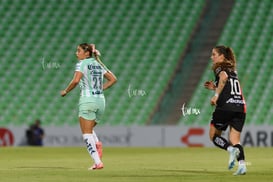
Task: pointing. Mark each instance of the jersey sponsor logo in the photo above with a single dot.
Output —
(235, 101)
(94, 72)
(93, 67)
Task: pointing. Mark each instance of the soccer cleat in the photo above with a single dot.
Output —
(232, 157)
(96, 166)
(241, 170)
(99, 149)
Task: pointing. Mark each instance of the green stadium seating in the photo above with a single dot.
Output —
(249, 32)
(140, 42)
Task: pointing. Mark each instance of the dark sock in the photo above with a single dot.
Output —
(220, 142)
(241, 155)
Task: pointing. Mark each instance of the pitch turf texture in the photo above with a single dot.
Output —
(69, 164)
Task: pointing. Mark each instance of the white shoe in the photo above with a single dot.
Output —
(234, 152)
(241, 169)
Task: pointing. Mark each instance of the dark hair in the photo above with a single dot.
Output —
(229, 57)
(87, 48)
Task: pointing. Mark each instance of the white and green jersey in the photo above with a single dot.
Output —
(91, 83)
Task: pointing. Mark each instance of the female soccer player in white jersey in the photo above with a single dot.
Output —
(89, 74)
(230, 106)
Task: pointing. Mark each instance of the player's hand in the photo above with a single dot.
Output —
(209, 85)
(95, 51)
(213, 100)
(63, 93)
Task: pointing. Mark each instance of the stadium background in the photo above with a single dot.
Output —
(159, 50)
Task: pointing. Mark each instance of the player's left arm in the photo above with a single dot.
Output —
(74, 82)
(223, 77)
(111, 80)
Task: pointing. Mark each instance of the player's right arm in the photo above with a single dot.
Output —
(209, 85)
(223, 77)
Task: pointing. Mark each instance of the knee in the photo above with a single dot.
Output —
(213, 132)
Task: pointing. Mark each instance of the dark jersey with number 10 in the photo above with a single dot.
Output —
(231, 97)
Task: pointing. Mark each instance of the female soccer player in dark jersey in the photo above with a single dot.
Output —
(230, 106)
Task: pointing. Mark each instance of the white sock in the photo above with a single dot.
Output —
(242, 162)
(91, 147)
(229, 149)
(95, 137)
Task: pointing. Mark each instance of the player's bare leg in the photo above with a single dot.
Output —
(235, 140)
(221, 142)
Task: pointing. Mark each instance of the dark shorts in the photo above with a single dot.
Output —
(222, 119)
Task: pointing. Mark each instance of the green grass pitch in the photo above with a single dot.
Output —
(69, 164)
